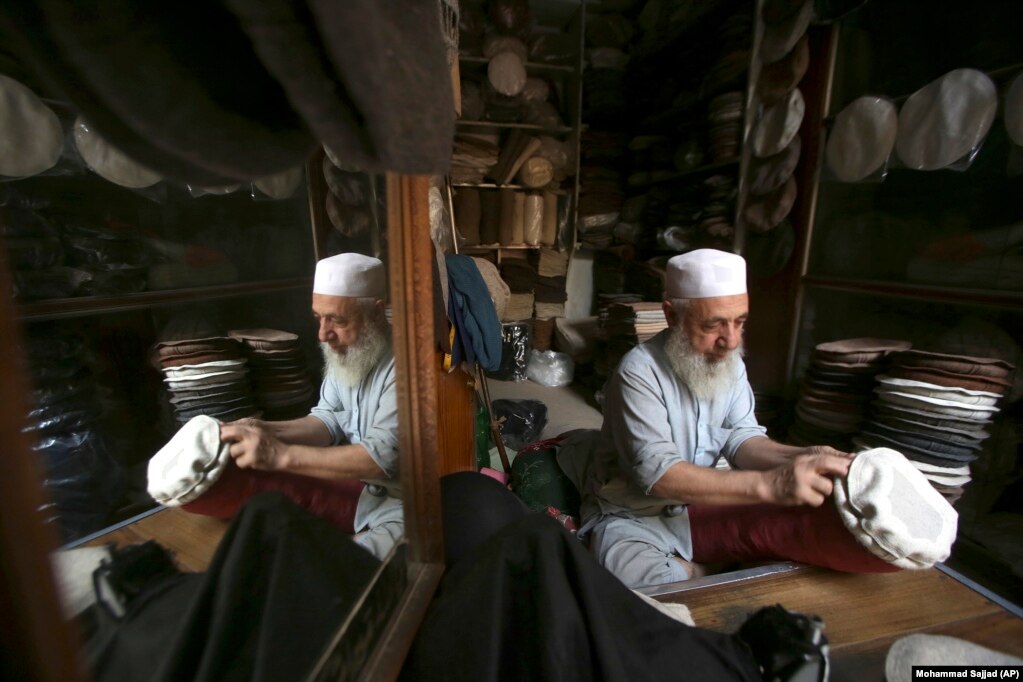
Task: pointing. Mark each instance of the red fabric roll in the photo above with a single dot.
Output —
(333, 501)
(763, 532)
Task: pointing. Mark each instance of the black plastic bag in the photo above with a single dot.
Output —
(524, 421)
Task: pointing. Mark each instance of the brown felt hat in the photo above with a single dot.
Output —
(778, 78)
(763, 213)
(767, 175)
(779, 124)
(779, 38)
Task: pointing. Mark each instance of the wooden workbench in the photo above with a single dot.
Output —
(863, 614)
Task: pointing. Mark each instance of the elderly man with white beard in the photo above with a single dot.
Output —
(674, 406)
(353, 432)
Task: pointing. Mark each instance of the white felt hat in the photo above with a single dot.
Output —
(705, 273)
(189, 464)
(108, 161)
(350, 274)
(779, 38)
(31, 138)
(862, 138)
(892, 509)
(942, 121)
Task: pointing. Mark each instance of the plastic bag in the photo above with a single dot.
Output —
(523, 421)
(515, 345)
(550, 368)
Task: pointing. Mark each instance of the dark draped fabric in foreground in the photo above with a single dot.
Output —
(280, 584)
(531, 603)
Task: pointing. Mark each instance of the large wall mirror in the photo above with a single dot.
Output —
(374, 636)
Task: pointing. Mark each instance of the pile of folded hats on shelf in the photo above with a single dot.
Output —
(550, 295)
(838, 387)
(623, 321)
(207, 376)
(278, 370)
(520, 276)
(82, 480)
(724, 114)
(933, 408)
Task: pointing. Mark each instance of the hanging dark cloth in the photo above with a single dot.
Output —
(471, 309)
(280, 584)
(212, 93)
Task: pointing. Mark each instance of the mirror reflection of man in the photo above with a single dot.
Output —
(352, 433)
(675, 406)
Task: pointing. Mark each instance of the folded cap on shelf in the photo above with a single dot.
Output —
(780, 37)
(768, 174)
(778, 78)
(941, 122)
(764, 213)
(861, 138)
(109, 162)
(31, 135)
(779, 124)
(1013, 111)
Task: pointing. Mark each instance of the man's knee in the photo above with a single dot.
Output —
(641, 564)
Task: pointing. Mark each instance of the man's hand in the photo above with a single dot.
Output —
(806, 479)
(253, 445)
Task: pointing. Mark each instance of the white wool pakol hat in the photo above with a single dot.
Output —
(189, 464)
(892, 509)
(705, 273)
(350, 274)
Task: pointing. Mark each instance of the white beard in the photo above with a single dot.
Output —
(705, 378)
(351, 367)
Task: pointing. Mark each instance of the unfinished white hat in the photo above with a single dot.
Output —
(189, 464)
(942, 121)
(862, 138)
(705, 273)
(350, 274)
(892, 509)
(939, 650)
(31, 138)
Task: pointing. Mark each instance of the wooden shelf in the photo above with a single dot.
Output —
(943, 294)
(560, 130)
(707, 169)
(531, 67)
(503, 247)
(95, 305)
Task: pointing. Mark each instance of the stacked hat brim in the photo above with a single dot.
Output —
(725, 118)
(837, 390)
(280, 373)
(935, 409)
(206, 377)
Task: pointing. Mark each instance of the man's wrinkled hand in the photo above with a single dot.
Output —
(807, 478)
(253, 445)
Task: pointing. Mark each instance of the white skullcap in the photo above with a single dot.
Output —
(350, 274)
(705, 273)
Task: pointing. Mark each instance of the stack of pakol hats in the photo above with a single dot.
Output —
(206, 376)
(934, 408)
(279, 371)
(837, 390)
